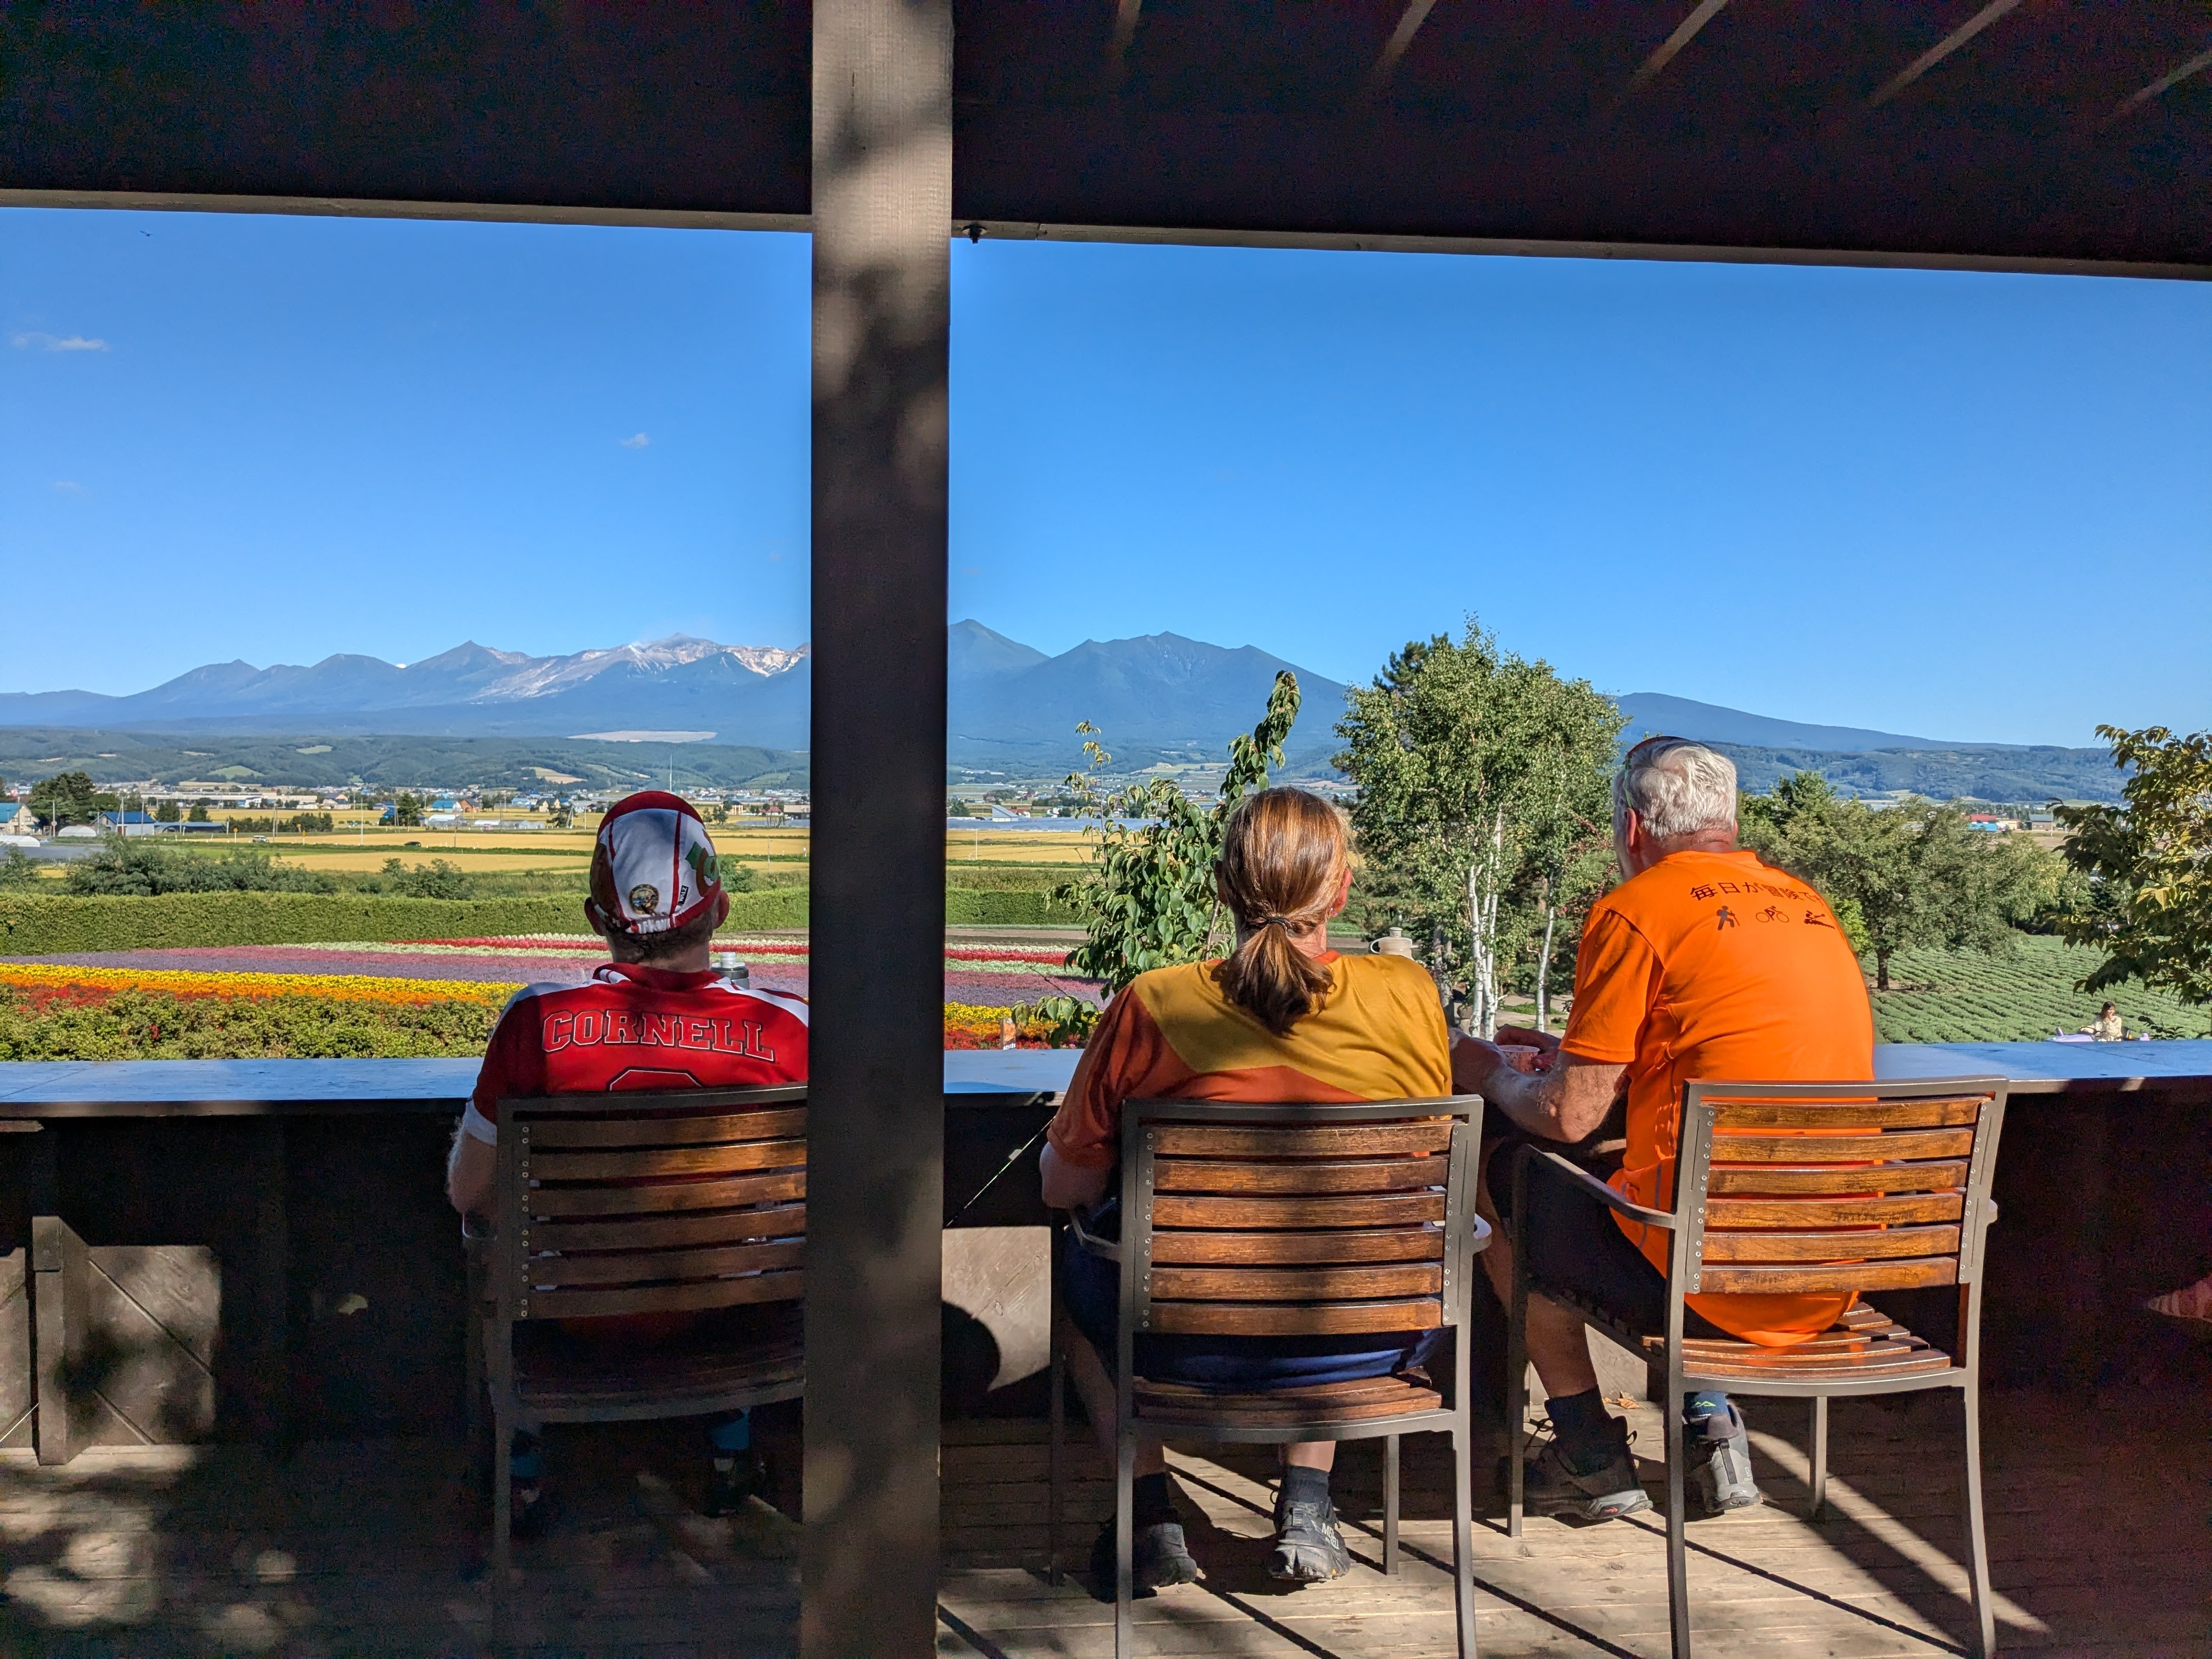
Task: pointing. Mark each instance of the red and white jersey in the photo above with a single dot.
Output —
(634, 1027)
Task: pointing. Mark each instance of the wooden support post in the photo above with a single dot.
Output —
(60, 1312)
(883, 212)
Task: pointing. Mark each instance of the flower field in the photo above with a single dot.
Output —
(1963, 996)
(59, 1011)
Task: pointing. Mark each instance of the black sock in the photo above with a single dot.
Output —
(1151, 1503)
(1303, 1486)
(1585, 1429)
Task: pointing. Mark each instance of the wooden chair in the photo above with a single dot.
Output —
(1293, 1220)
(1805, 1187)
(609, 1204)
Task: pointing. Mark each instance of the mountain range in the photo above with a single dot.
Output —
(1012, 710)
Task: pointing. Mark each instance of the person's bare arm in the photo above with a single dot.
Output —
(1068, 1186)
(469, 1173)
(1566, 1101)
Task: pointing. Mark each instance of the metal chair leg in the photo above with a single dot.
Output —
(1517, 1399)
(1390, 1504)
(1125, 1533)
(1978, 1551)
(1820, 1458)
(1677, 1576)
(1463, 1530)
(1054, 1473)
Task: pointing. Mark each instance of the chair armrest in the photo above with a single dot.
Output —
(1106, 1249)
(477, 1229)
(1597, 1190)
(1478, 1240)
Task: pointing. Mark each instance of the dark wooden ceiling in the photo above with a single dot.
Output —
(1782, 124)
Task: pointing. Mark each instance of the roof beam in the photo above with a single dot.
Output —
(1409, 24)
(2173, 78)
(1684, 31)
(1942, 49)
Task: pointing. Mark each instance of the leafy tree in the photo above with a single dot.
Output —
(407, 811)
(16, 871)
(64, 798)
(198, 814)
(1148, 899)
(564, 816)
(440, 878)
(1910, 877)
(2149, 863)
(146, 869)
(1483, 808)
(167, 812)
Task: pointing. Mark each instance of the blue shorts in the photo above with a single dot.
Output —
(1091, 1291)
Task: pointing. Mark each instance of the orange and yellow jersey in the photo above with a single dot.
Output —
(1378, 1034)
(1716, 966)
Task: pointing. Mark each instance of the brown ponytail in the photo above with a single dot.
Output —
(1282, 855)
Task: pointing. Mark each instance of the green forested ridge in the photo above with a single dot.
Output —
(306, 762)
(2016, 776)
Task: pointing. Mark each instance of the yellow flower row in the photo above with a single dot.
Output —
(356, 988)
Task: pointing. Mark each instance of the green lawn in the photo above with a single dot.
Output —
(1952, 996)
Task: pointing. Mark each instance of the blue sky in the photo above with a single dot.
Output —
(1956, 505)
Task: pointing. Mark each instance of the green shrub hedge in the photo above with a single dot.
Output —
(60, 925)
(965, 908)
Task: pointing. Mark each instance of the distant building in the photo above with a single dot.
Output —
(1991, 822)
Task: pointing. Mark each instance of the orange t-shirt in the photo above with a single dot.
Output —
(1716, 966)
(1378, 1034)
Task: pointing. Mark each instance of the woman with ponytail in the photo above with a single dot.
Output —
(1281, 1018)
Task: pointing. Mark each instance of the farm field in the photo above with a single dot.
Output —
(1963, 996)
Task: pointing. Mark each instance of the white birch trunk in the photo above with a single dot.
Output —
(1482, 885)
(1543, 968)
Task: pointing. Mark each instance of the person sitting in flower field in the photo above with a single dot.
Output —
(656, 899)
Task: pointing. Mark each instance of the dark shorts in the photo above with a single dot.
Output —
(1571, 1243)
(1091, 1290)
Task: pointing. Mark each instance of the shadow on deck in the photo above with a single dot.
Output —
(2095, 1528)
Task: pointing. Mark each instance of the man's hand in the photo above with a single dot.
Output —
(1520, 1036)
(1564, 1099)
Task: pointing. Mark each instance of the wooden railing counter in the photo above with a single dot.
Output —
(271, 1242)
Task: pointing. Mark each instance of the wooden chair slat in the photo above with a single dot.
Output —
(1911, 1275)
(1950, 1111)
(1752, 1148)
(1294, 1249)
(1357, 1391)
(1915, 1365)
(1937, 1175)
(642, 1164)
(698, 1297)
(1194, 1408)
(1297, 1284)
(1429, 1135)
(668, 1196)
(1804, 1214)
(668, 1233)
(655, 1266)
(1306, 1176)
(1845, 1246)
(665, 1129)
(1294, 1318)
(1268, 1214)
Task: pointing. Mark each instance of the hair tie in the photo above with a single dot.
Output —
(1283, 922)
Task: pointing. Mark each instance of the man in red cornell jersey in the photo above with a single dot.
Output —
(655, 1017)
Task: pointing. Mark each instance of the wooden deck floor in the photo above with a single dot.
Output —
(2097, 1530)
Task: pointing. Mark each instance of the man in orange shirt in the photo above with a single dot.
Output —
(1703, 963)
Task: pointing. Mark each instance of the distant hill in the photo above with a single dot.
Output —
(1013, 708)
(1652, 713)
(1012, 711)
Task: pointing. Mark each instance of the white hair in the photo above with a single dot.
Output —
(1676, 787)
